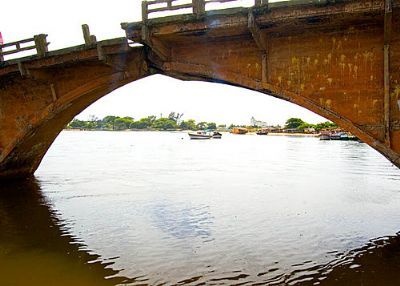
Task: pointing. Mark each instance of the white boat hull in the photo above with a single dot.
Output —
(199, 136)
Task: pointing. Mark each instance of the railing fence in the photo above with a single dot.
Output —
(198, 6)
(38, 42)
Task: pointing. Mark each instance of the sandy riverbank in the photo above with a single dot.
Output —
(293, 134)
(286, 134)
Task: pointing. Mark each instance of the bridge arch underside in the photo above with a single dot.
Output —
(332, 60)
(28, 152)
(336, 73)
(364, 134)
(35, 107)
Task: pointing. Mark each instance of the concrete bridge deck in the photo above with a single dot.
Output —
(340, 59)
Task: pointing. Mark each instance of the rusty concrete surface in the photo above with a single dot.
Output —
(328, 58)
(35, 107)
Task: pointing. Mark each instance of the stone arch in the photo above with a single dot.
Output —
(34, 108)
(39, 96)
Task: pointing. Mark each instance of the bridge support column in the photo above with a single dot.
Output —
(262, 44)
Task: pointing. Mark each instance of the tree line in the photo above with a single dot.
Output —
(172, 122)
(299, 124)
(293, 124)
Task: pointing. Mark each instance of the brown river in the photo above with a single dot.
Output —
(154, 208)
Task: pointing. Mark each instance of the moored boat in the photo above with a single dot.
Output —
(262, 132)
(324, 135)
(342, 136)
(200, 135)
(239, 130)
(336, 136)
(216, 135)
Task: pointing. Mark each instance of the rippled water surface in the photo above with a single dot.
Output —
(154, 208)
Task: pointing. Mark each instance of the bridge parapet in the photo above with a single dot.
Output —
(198, 6)
(38, 42)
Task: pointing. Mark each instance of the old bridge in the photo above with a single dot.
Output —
(337, 58)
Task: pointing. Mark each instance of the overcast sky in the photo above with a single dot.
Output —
(154, 95)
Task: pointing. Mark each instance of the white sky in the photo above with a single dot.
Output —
(155, 95)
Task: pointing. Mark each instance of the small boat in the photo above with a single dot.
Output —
(342, 136)
(239, 130)
(325, 136)
(217, 135)
(200, 135)
(262, 132)
(336, 136)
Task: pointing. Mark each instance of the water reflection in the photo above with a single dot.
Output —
(183, 222)
(242, 210)
(376, 263)
(36, 248)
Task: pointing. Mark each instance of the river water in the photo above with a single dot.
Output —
(154, 208)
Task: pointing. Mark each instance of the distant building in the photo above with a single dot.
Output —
(258, 123)
(309, 130)
(292, 130)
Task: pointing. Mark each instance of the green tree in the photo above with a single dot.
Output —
(123, 123)
(202, 125)
(93, 122)
(325, 125)
(211, 126)
(109, 119)
(164, 124)
(293, 123)
(108, 122)
(189, 124)
(144, 123)
(151, 119)
(76, 123)
(305, 125)
(175, 116)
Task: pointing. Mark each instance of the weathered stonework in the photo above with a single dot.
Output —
(35, 107)
(327, 57)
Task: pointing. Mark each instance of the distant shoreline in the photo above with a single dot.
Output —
(152, 130)
(293, 134)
